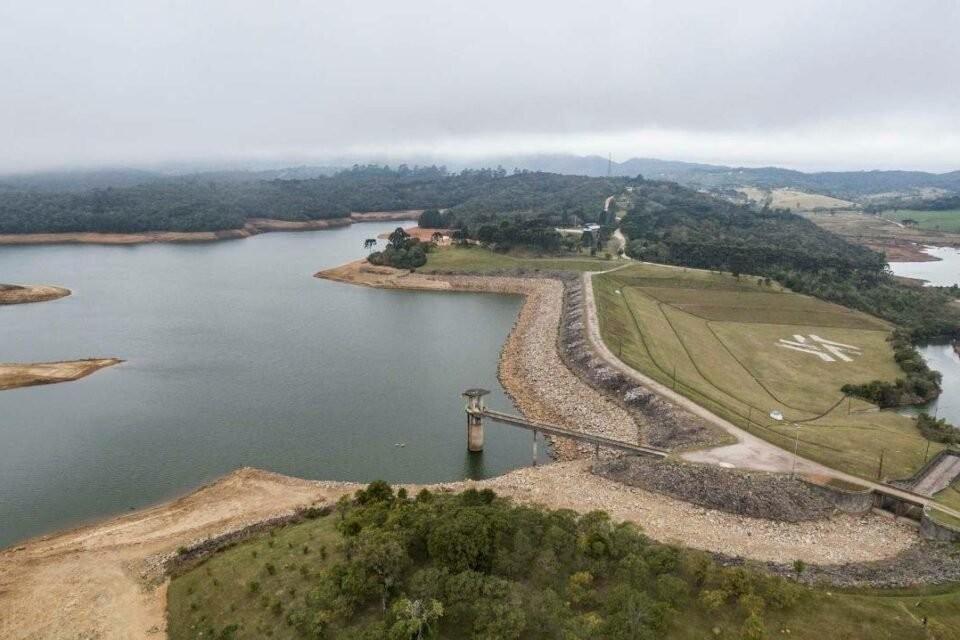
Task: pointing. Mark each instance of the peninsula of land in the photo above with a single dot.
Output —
(15, 374)
(22, 294)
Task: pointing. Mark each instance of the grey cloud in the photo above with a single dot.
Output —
(149, 80)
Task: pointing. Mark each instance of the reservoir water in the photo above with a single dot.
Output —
(236, 355)
(944, 272)
(944, 359)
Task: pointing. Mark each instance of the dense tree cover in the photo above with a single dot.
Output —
(937, 430)
(920, 385)
(539, 233)
(214, 202)
(402, 252)
(943, 203)
(474, 566)
(674, 225)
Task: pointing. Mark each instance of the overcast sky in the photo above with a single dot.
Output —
(805, 84)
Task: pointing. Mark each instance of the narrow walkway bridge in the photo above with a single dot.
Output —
(476, 412)
(579, 436)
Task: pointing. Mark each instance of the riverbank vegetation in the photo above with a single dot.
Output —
(387, 565)
(937, 430)
(921, 383)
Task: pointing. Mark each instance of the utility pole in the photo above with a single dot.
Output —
(880, 466)
(796, 448)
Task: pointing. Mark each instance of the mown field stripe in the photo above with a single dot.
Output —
(716, 405)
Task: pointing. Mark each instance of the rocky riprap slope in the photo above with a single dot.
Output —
(747, 493)
(924, 563)
(663, 424)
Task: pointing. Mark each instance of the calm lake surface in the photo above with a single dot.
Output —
(236, 355)
(944, 359)
(942, 273)
(945, 273)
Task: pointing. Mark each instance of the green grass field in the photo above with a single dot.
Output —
(244, 584)
(948, 220)
(220, 593)
(479, 260)
(716, 339)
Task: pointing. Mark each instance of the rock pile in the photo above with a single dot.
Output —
(746, 493)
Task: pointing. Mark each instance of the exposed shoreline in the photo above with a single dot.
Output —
(900, 250)
(27, 293)
(15, 375)
(253, 227)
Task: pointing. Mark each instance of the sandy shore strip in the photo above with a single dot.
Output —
(14, 375)
(253, 226)
(26, 293)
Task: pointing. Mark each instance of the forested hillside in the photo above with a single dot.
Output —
(212, 202)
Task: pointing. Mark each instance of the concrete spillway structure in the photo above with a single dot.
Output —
(475, 411)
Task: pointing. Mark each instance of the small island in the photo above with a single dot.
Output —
(21, 294)
(14, 375)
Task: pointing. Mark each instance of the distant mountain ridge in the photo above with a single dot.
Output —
(844, 184)
(709, 176)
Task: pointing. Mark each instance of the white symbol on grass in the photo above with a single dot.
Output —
(826, 350)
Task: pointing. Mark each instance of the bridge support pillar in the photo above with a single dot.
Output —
(474, 411)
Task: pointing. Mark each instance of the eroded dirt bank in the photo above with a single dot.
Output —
(253, 226)
(26, 293)
(13, 375)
